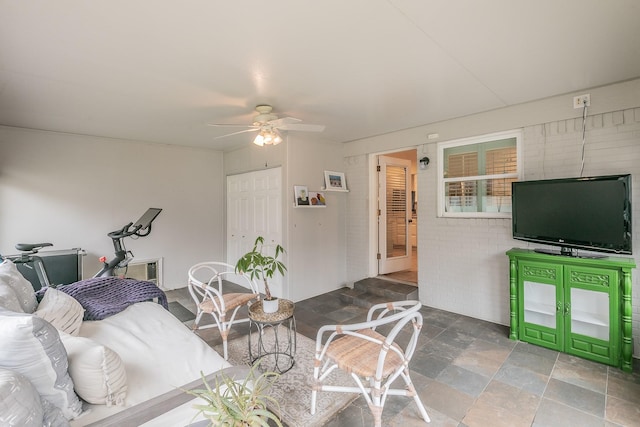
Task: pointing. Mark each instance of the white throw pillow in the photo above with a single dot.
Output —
(32, 347)
(22, 406)
(52, 415)
(98, 373)
(61, 310)
(20, 403)
(10, 275)
(9, 299)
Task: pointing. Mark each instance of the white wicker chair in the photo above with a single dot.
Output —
(206, 281)
(372, 358)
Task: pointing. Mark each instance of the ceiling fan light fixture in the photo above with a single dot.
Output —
(268, 137)
(259, 140)
(278, 139)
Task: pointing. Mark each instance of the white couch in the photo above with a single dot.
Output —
(118, 362)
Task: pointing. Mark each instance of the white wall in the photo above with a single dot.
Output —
(71, 190)
(314, 238)
(317, 238)
(462, 263)
(360, 202)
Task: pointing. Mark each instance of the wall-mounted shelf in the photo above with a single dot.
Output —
(334, 191)
(310, 206)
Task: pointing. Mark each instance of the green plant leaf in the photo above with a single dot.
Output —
(260, 266)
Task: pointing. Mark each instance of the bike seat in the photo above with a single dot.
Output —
(31, 247)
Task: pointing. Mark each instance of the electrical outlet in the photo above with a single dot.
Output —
(580, 101)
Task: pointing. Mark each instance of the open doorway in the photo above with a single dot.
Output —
(397, 216)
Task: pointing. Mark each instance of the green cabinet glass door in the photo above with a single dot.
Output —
(541, 321)
(591, 313)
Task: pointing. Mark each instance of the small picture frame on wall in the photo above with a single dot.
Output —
(301, 195)
(335, 181)
(317, 198)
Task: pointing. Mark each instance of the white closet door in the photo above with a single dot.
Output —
(254, 208)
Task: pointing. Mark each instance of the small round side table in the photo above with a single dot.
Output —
(283, 325)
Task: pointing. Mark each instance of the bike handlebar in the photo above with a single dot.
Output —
(124, 231)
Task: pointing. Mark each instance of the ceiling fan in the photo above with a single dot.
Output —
(268, 126)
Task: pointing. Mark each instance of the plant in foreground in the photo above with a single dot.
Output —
(238, 403)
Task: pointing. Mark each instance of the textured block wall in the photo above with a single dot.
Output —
(462, 265)
(612, 146)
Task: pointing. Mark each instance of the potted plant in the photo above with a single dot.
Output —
(262, 267)
(237, 403)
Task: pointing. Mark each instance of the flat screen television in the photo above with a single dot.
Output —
(592, 213)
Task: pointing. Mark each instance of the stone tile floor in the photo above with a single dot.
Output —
(409, 276)
(469, 374)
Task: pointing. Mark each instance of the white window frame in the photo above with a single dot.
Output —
(516, 133)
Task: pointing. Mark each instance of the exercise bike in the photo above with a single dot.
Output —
(30, 259)
(141, 228)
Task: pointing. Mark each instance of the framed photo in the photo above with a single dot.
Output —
(301, 195)
(317, 198)
(335, 181)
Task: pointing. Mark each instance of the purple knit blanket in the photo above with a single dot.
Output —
(102, 297)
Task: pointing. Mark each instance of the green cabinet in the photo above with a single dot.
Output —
(580, 306)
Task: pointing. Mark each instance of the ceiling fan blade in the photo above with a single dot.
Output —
(302, 127)
(236, 133)
(279, 123)
(222, 125)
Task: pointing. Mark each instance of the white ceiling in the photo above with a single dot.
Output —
(159, 70)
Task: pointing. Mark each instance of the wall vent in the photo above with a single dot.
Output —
(146, 269)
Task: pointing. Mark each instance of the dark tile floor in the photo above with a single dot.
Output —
(468, 373)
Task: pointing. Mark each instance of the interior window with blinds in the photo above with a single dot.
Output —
(476, 175)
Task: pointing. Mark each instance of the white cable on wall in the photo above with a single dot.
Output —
(584, 132)
(544, 149)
